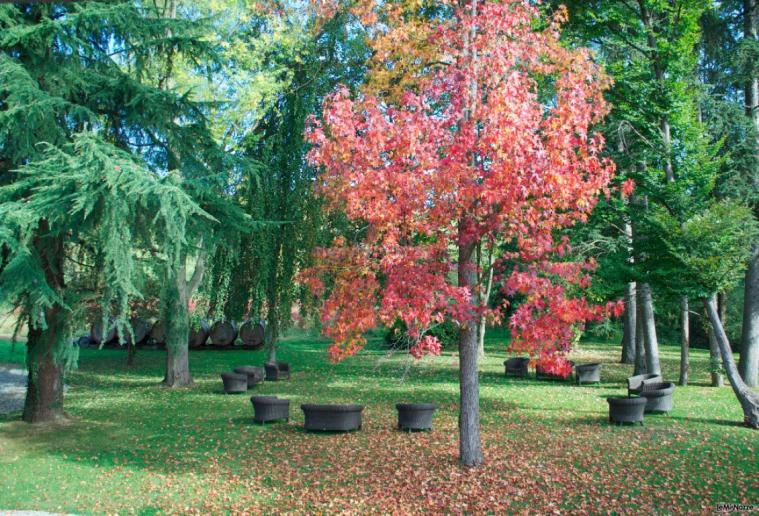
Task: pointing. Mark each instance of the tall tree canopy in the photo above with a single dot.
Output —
(98, 161)
(496, 139)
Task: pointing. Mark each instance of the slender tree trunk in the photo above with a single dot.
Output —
(649, 329)
(272, 336)
(714, 352)
(748, 399)
(749, 361)
(470, 448)
(272, 300)
(684, 340)
(481, 330)
(131, 351)
(470, 443)
(482, 325)
(631, 306)
(640, 339)
(630, 323)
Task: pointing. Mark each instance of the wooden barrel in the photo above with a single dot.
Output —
(140, 329)
(252, 334)
(199, 334)
(158, 333)
(96, 333)
(223, 333)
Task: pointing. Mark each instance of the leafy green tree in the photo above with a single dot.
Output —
(280, 187)
(712, 248)
(89, 159)
(730, 53)
(649, 47)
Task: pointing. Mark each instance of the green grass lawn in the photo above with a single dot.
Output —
(135, 447)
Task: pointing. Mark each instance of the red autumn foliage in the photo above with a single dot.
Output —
(482, 152)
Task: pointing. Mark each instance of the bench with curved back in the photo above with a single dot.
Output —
(332, 417)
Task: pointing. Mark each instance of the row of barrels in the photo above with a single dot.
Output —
(222, 334)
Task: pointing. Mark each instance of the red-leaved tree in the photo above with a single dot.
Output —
(495, 145)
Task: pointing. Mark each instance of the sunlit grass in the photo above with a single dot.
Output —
(133, 446)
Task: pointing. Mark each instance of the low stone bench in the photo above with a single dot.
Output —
(270, 408)
(588, 373)
(415, 416)
(332, 417)
(277, 371)
(516, 366)
(255, 374)
(626, 410)
(635, 383)
(658, 396)
(234, 383)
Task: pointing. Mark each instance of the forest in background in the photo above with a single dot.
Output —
(153, 164)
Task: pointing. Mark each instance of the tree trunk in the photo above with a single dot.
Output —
(46, 348)
(272, 302)
(482, 325)
(177, 367)
(470, 443)
(176, 318)
(749, 362)
(470, 448)
(714, 353)
(640, 340)
(131, 351)
(649, 329)
(684, 340)
(630, 322)
(44, 393)
(272, 335)
(749, 400)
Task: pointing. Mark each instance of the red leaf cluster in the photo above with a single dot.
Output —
(482, 151)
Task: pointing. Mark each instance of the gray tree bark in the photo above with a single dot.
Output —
(650, 340)
(470, 447)
(640, 340)
(748, 399)
(482, 324)
(177, 319)
(749, 361)
(470, 442)
(714, 351)
(630, 323)
(684, 340)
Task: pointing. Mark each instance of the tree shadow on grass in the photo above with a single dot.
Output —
(709, 421)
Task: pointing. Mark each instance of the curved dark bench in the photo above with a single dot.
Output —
(588, 373)
(415, 416)
(255, 374)
(277, 371)
(635, 383)
(516, 366)
(270, 408)
(543, 374)
(626, 410)
(658, 396)
(332, 417)
(234, 383)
